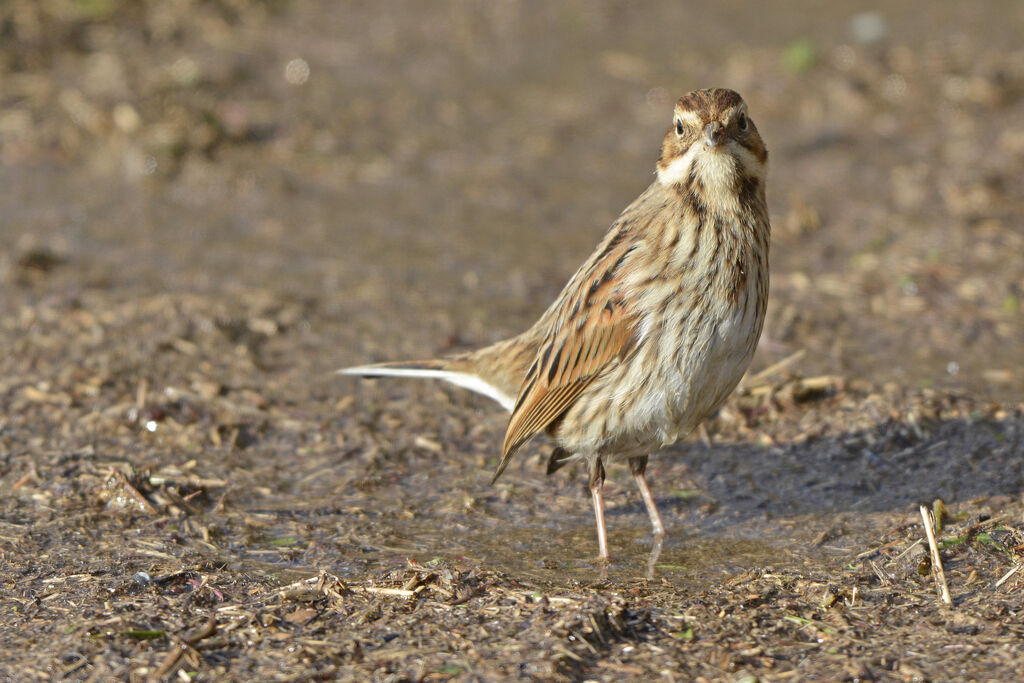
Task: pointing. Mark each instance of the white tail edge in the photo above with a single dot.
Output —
(459, 379)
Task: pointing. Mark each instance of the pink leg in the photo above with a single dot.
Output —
(638, 466)
(596, 486)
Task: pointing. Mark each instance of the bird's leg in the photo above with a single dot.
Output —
(596, 486)
(638, 466)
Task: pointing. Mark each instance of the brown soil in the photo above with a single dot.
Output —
(210, 206)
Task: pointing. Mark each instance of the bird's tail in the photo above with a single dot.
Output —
(449, 370)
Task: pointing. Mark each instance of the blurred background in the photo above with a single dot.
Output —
(409, 178)
(208, 207)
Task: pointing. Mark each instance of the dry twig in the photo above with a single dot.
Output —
(1007, 575)
(940, 574)
(774, 368)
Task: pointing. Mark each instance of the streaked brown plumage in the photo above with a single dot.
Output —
(657, 327)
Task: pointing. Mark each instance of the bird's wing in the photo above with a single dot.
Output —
(593, 327)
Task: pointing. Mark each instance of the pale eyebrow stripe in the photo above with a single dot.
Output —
(737, 109)
(687, 116)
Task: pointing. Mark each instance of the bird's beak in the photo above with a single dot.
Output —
(713, 134)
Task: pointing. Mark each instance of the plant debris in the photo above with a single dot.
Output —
(210, 206)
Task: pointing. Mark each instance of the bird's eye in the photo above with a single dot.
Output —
(679, 126)
(742, 121)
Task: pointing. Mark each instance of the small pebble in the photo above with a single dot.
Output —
(868, 28)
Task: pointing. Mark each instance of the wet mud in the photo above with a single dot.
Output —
(207, 208)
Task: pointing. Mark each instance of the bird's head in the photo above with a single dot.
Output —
(713, 144)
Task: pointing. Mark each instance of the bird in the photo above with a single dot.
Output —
(655, 330)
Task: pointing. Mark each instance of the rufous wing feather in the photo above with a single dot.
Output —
(595, 328)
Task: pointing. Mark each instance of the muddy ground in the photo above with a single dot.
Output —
(207, 207)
